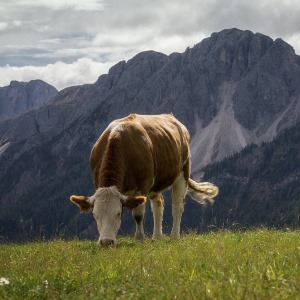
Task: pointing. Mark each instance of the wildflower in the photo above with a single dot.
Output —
(4, 281)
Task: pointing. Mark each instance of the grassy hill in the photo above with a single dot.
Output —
(260, 264)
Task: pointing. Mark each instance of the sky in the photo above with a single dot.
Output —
(73, 42)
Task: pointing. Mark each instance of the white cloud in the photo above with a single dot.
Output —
(43, 32)
(173, 43)
(59, 4)
(17, 23)
(294, 40)
(3, 26)
(60, 74)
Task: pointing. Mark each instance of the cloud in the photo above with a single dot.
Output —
(65, 4)
(3, 26)
(60, 74)
(294, 40)
(275, 18)
(41, 33)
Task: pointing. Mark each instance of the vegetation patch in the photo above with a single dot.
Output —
(258, 264)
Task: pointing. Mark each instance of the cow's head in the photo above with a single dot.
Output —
(107, 205)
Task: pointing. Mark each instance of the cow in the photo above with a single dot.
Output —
(136, 157)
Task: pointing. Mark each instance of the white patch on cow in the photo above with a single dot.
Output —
(103, 194)
(157, 206)
(179, 189)
(91, 200)
(107, 212)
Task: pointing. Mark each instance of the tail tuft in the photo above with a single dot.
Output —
(202, 192)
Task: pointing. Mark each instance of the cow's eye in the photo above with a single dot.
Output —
(119, 215)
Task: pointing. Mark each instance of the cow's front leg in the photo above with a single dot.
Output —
(157, 205)
(138, 214)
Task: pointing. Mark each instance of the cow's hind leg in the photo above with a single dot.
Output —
(179, 189)
(157, 205)
(138, 215)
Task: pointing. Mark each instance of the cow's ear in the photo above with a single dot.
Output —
(133, 202)
(85, 204)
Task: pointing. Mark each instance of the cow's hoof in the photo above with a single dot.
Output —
(175, 235)
(139, 236)
(157, 236)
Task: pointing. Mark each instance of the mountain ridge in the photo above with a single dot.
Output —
(260, 185)
(210, 88)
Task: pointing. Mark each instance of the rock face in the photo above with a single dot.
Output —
(252, 93)
(230, 90)
(20, 97)
(259, 185)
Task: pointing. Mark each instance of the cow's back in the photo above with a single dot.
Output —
(151, 151)
(170, 147)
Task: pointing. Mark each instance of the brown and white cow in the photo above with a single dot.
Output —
(136, 157)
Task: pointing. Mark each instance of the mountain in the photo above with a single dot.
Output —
(231, 90)
(260, 185)
(20, 97)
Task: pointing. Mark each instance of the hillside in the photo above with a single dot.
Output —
(259, 185)
(231, 90)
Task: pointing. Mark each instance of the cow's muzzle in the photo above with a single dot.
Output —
(107, 243)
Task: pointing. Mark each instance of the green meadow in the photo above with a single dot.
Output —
(255, 264)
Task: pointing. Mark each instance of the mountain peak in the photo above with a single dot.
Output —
(233, 89)
(18, 97)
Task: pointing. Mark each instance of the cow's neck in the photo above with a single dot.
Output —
(112, 168)
(111, 177)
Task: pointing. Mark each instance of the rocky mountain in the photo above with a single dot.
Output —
(232, 89)
(259, 185)
(20, 97)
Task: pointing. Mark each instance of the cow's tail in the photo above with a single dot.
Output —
(202, 192)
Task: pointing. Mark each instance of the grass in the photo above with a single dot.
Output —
(259, 264)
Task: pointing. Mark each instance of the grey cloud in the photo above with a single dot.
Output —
(50, 31)
(3, 25)
(274, 18)
(86, 5)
